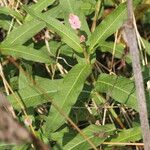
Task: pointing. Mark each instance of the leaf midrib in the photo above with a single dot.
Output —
(90, 137)
(37, 94)
(43, 1)
(70, 91)
(61, 31)
(28, 29)
(133, 135)
(106, 29)
(15, 50)
(114, 86)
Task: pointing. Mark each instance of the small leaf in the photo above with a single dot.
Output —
(31, 97)
(24, 32)
(70, 89)
(97, 134)
(108, 26)
(128, 135)
(39, 6)
(121, 89)
(26, 53)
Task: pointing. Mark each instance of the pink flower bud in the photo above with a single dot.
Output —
(74, 21)
(82, 38)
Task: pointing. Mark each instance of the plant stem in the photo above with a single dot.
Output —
(131, 40)
(97, 9)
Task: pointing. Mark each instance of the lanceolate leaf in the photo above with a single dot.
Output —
(97, 134)
(69, 92)
(26, 53)
(24, 32)
(108, 26)
(119, 88)
(39, 6)
(31, 97)
(69, 37)
(128, 135)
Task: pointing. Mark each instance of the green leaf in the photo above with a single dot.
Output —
(87, 7)
(21, 147)
(9, 11)
(119, 50)
(24, 32)
(55, 12)
(4, 146)
(26, 53)
(23, 80)
(108, 26)
(69, 37)
(121, 89)
(31, 97)
(70, 89)
(97, 134)
(5, 21)
(128, 135)
(39, 6)
(68, 5)
(147, 46)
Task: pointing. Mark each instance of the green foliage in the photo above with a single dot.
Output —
(26, 53)
(39, 6)
(119, 50)
(31, 97)
(68, 36)
(8, 11)
(57, 72)
(132, 134)
(107, 27)
(96, 134)
(69, 91)
(23, 33)
(119, 88)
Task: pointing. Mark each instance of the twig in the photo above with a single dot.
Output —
(131, 41)
(121, 143)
